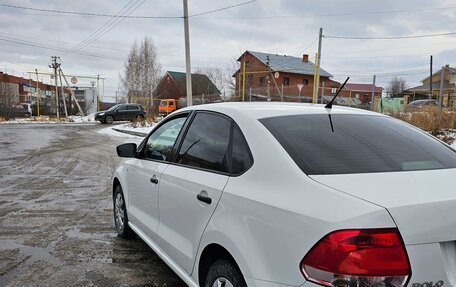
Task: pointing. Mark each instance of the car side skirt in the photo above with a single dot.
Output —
(173, 265)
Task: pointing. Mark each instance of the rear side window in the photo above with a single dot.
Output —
(133, 108)
(206, 143)
(358, 144)
(241, 158)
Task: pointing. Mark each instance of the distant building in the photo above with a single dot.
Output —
(449, 87)
(173, 86)
(25, 91)
(279, 75)
(87, 98)
(362, 92)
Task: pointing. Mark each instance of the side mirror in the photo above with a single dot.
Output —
(126, 150)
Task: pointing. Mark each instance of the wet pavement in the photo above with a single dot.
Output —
(56, 225)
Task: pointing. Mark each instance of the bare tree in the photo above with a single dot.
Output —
(396, 86)
(9, 98)
(215, 74)
(222, 78)
(142, 72)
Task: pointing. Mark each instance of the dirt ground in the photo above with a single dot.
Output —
(56, 223)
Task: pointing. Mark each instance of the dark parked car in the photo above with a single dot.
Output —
(121, 112)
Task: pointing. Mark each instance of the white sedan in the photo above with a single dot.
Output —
(275, 194)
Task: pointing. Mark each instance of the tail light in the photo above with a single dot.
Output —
(362, 258)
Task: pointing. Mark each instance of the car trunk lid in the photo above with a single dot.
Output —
(422, 203)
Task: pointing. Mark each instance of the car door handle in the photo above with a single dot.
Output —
(154, 180)
(202, 196)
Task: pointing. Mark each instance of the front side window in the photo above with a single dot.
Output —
(206, 143)
(357, 144)
(161, 142)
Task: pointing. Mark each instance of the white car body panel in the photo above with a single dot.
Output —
(183, 217)
(269, 217)
(143, 194)
(422, 203)
(264, 212)
(417, 200)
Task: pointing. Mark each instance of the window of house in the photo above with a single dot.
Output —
(286, 81)
(305, 81)
(261, 83)
(250, 80)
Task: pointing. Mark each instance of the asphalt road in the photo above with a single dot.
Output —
(56, 223)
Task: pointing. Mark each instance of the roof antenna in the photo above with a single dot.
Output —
(330, 104)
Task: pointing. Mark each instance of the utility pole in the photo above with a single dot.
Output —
(430, 79)
(322, 92)
(98, 93)
(442, 76)
(63, 94)
(188, 69)
(38, 94)
(73, 96)
(55, 66)
(320, 36)
(243, 79)
(373, 94)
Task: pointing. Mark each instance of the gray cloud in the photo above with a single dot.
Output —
(287, 27)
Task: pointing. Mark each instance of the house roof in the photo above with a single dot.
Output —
(362, 87)
(201, 84)
(425, 87)
(437, 73)
(288, 64)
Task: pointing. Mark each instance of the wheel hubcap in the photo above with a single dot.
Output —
(222, 282)
(119, 212)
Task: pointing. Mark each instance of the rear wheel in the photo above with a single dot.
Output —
(109, 119)
(120, 214)
(224, 273)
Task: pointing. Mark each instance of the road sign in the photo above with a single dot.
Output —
(74, 80)
(276, 75)
(300, 87)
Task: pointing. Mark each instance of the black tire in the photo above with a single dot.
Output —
(109, 119)
(120, 214)
(224, 269)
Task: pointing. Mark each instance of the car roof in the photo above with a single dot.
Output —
(260, 110)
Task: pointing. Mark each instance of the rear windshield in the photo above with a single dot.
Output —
(357, 144)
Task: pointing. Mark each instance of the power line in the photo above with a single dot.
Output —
(221, 9)
(57, 41)
(311, 44)
(390, 37)
(343, 14)
(109, 25)
(84, 13)
(38, 45)
(111, 15)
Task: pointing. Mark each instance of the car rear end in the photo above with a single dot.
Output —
(389, 164)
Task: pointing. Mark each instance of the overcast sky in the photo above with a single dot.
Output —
(287, 27)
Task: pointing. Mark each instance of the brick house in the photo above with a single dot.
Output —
(278, 76)
(173, 86)
(362, 92)
(25, 92)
